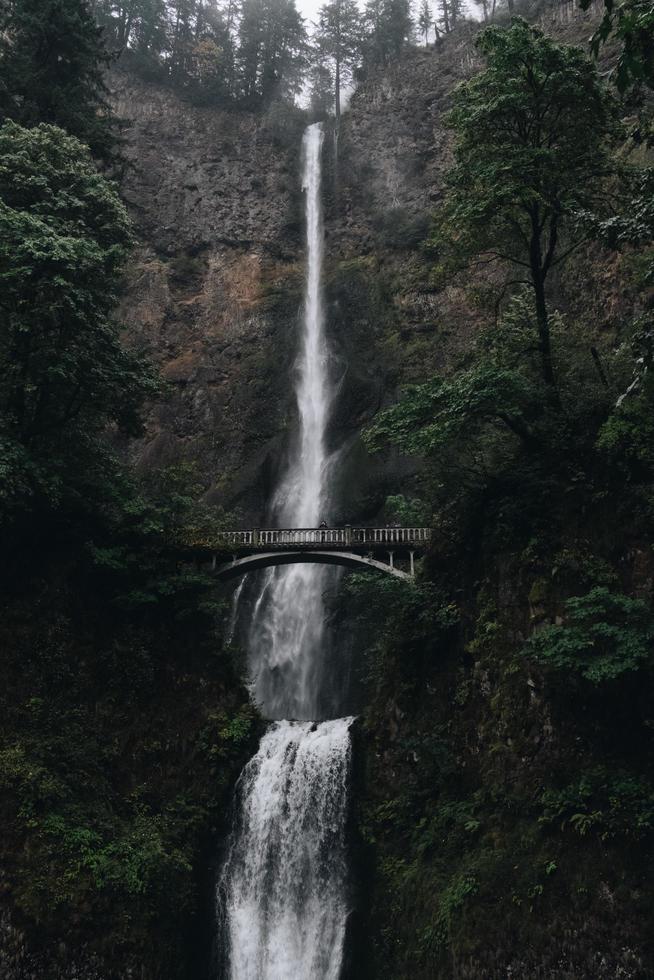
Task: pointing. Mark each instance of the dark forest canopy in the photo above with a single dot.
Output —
(230, 52)
(252, 51)
(52, 58)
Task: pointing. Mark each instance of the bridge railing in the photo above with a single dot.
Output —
(345, 537)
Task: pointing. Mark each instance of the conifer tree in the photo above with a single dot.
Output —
(51, 62)
(388, 27)
(338, 38)
(272, 50)
(425, 20)
(444, 18)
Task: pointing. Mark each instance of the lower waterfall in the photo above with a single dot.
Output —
(284, 882)
(283, 888)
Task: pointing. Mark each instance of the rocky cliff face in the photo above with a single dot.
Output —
(213, 291)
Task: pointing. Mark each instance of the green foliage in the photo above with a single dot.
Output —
(627, 436)
(271, 53)
(530, 155)
(444, 411)
(338, 44)
(394, 622)
(602, 802)
(122, 736)
(450, 902)
(408, 512)
(606, 634)
(400, 605)
(135, 548)
(65, 375)
(51, 64)
(631, 22)
(388, 28)
(530, 134)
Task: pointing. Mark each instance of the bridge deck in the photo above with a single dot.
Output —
(359, 539)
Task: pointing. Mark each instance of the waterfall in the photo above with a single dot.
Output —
(286, 636)
(286, 909)
(282, 891)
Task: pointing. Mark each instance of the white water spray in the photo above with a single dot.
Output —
(286, 637)
(283, 886)
(286, 871)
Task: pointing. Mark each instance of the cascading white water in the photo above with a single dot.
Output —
(286, 870)
(286, 648)
(283, 887)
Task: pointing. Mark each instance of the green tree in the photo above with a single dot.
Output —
(531, 161)
(457, 412)
(388, 29)
(631, 22)
(51, 63)
(444, 19)
(271, 51)
(338, 40)
(64, 375)
(605, 634)
(425, 20)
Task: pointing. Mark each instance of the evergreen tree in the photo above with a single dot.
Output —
(425, 20)
(211, 69)
(338, 39)
(456, 12)
(51, 62)
(148, 36)
(451, 12)
(272, 50)
(182, 40)
(321, 86)
(444, 18)
(388, 27)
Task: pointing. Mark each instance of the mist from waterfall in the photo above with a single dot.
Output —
(282, 892)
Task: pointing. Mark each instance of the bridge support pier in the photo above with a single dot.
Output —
(413, 571)
(390, 558)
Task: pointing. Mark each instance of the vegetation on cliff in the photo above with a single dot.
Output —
(124, 720)
(506, 803)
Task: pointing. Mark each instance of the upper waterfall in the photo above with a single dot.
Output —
(287, 632)
(301, 499)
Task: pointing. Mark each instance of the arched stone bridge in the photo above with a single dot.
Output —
(362, 548)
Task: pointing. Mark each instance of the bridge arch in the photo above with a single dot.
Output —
(250, 563)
